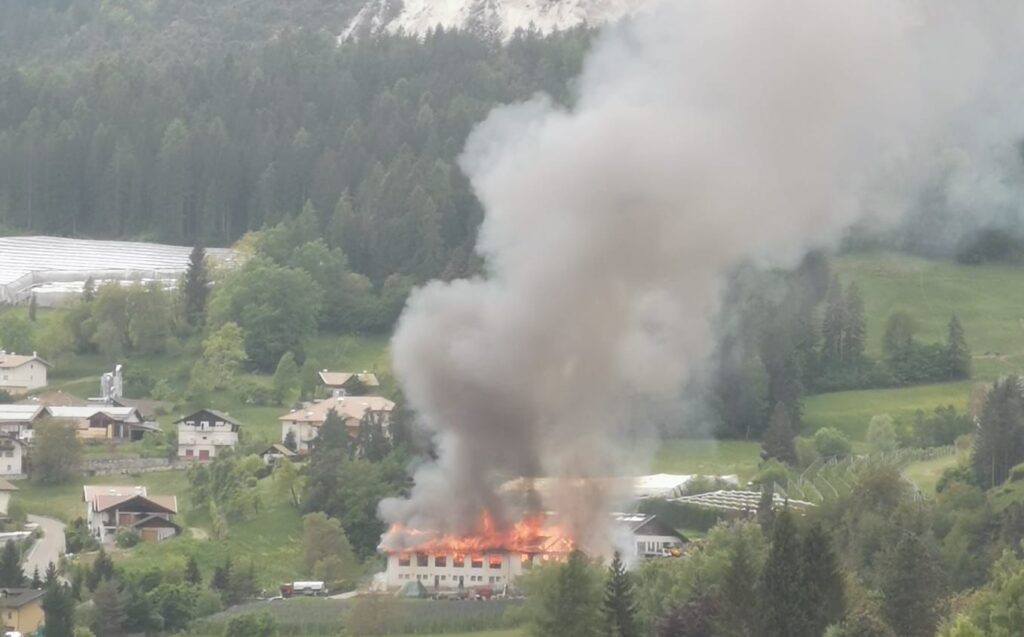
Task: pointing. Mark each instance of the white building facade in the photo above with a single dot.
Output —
(12, 454)
(205, 434)
(21, 373)
(304, 424)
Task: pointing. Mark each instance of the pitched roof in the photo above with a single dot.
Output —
(348, 407)
(167, 503)
(18, 597)
(7, 486)
(151, 521)
(279, 448)
(337, 379)
(10, 361)
(20, 413)
(148, 408)
(216, 414)
(126, 414)
(91, 491)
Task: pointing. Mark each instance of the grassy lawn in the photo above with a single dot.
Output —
(65, 501)
(988, 300)
(926, 474)
(851, 411)
(708, 457)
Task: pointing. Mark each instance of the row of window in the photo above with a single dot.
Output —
(495, 579)
(458, 561)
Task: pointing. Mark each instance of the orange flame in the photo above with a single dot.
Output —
(530, 535)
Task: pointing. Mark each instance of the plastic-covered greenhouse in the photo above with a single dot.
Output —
(55, 269)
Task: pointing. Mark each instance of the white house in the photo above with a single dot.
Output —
(345, 383)
(6, 489)
(305, 423)
(204, 434)
(12, 453)
(20, 373)
(109, 508)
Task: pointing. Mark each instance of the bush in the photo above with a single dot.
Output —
(772, 471)
(940, 429)
(208, 603)
(78, 539)
(252, 392)
(806, 452)
(127, 538)
(831, 443)
(960, 473)
(882, 437)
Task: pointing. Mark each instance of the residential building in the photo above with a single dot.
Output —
(649, 537)
(12, 456)
(6, 490)
(21, 373)
(105, 422)
(349, 383)
(17, 421)
(21, 610)
(109, 508)
(277, 452)
(205, 434)
(305, 423)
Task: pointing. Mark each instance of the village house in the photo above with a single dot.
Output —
(305, 423)
(640, 536)
(349, 383)
(277, 452)
(105, 422)
(205, 434)
(20, 373)
(21, 610)
(17, 421)
(12, 456)
(109, 508)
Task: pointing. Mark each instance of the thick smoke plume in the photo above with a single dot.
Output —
(705, 133)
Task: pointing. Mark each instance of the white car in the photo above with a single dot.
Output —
(12, 633)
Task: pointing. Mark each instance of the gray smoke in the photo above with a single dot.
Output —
(705, 133)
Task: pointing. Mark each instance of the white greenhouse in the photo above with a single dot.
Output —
(55, 269)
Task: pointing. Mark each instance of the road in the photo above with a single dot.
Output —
(46, 550)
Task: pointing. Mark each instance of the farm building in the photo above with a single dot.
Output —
(55, 269)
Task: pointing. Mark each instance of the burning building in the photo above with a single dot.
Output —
(495, 558)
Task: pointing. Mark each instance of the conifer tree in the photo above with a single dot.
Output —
(911, 587)
(823, 580)
(11, 574)
(102, 569)
(221, 579)
(110, 603)
(619, 607)
(832, 326)
(784, 598)
(89, 290)
(192, 574)
(779, 438)
(333, 435)
(37, 582)
(958, 354)
(289, 440)
(573, 607)
(766, 509)
(58, 609)
(738, 606)
(196, 287)
(999, 443)
(854, 329)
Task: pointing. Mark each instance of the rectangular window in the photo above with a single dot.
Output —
(477, 561)
(422, 559)
(494, 561)
(639, 548)
(440, 560)
(403, 559)
(490, 580)
(459, 561)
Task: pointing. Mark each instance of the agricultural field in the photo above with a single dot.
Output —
(708, 457)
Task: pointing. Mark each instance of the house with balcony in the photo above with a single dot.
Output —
(110, 508)
(304, 423)
(205, 434)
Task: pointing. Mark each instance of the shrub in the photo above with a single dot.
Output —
(806, 452)
(252, 392)
(207, 603)
(772, 471)
(882, 436)
(127, 538)
(831, 443)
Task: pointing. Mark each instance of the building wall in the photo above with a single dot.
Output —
(494, 570)
(31, 375)
(26, 619)
(211, 439)
(655, 545)
(304, 433)
(11, 460)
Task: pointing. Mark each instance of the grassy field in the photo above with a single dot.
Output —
(926, 474)
(65, 501)
(851, 411)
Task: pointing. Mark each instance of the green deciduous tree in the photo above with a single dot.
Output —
(881, 435)
(569, 602)
(15, 334)
(322, 538)
(224, 354)
(58, 610)
(260, 624)
(911, 586)
(57, 452)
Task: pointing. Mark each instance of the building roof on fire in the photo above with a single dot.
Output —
(348, 407)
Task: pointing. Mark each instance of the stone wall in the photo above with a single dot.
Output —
(112, 466)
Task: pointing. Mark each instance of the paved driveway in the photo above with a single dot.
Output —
(48, 549)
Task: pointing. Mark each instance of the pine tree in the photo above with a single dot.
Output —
(573, 607)
(37, 582)
(333, 435)
(784, 599)
(58, 610)
(196, 287)
(766, 509)
(110, 615)
(692, 618)
(832, 326)
(999, 443)
(823, 579)
(88, 290)
(779, 438)
(619, 607)
(192, 574)
(738, 605)
(854, 329)
(102, 569)
(11, 574)
(221, 579)
(51, 575)
(911, 588)
(958, 354)
(289, 440)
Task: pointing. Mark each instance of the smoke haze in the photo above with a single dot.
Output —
(705, 133)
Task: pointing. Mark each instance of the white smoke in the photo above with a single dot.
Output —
(705, 132)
